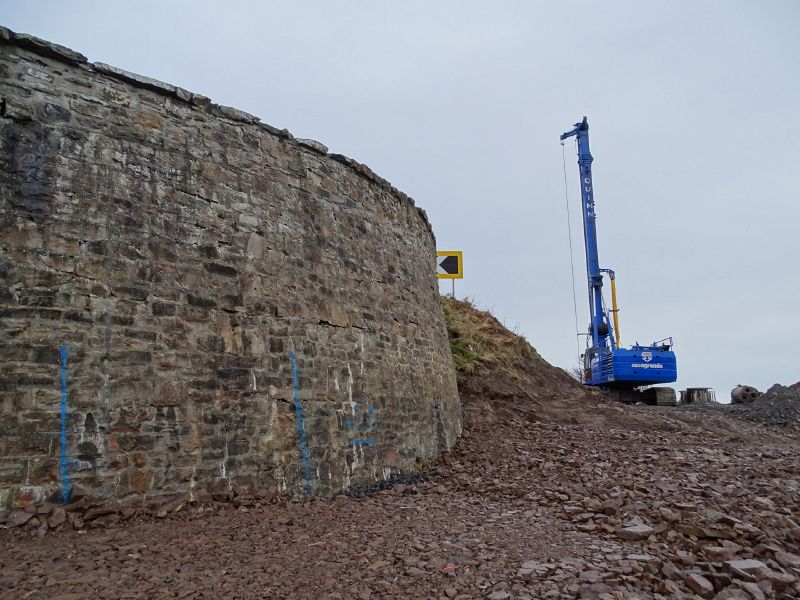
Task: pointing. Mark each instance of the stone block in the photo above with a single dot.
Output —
(141, 481)
(170, 393)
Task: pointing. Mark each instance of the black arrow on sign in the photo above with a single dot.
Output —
(450, 265)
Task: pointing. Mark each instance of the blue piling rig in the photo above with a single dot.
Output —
(605, 363)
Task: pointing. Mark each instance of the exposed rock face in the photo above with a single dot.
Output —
(212, 282)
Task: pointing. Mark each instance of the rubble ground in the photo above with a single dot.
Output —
(552, 492)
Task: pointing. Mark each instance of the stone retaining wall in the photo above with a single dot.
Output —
(238, 309)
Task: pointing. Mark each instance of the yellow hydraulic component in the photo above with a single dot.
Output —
(614, 309)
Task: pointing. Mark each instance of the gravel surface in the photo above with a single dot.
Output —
(521, 509)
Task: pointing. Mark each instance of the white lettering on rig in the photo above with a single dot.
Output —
(647, 366)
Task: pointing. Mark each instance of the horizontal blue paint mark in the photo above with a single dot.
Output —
(349, 424)
(63, 464)
(298, 408)
(75, 464)
(362, 442)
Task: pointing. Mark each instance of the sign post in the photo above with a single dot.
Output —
(450, 265)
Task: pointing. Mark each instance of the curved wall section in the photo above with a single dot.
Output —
(238, 309)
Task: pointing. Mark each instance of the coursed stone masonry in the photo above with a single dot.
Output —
(186, 257)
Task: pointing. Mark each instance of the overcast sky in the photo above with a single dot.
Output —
(694, 108)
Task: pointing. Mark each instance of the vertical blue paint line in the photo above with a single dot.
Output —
(300, 428)
(66, 488)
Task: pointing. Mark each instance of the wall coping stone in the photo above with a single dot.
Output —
(42, 47)
(313, 144)
(137, 80)
(61, 53)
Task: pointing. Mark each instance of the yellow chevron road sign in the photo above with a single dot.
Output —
(449, 264)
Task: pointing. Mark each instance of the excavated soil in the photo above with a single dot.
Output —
(552, 492)
(779, 405)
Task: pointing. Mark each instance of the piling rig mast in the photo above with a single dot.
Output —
(620, 371)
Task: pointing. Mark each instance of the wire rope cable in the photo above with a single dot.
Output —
(571, 253)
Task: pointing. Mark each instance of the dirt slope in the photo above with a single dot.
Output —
(500, 374)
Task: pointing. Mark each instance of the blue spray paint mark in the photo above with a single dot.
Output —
(298, 408)
(66, 488)
(373, 422)
(359, 425)
(361, 422)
